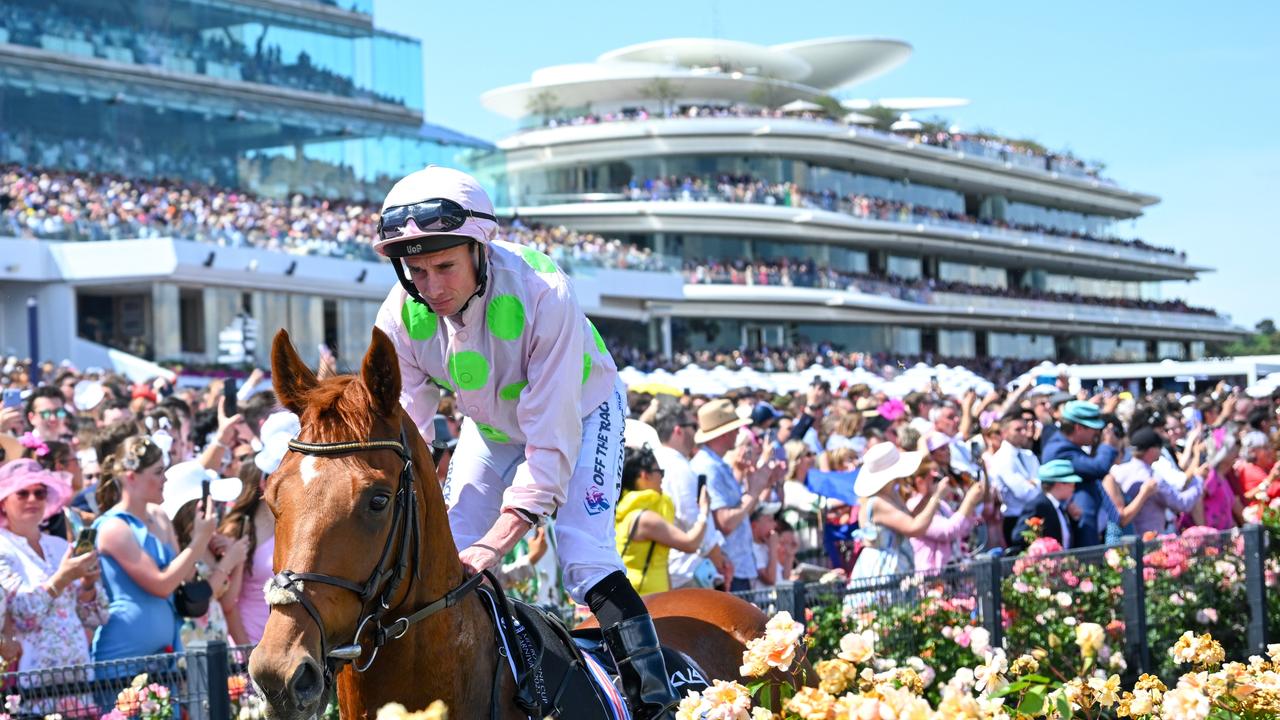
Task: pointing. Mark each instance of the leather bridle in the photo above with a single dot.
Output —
(399, 553)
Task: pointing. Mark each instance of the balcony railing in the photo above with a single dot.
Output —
(1076, 311)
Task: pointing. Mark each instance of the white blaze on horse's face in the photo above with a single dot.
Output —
(308, 470)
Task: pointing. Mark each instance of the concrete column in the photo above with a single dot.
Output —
(666, 336)
(221, 305)
(56, 318)
(166, 321)
(306, 326)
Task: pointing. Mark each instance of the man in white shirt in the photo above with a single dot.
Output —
(1012, 470)
(675, 426)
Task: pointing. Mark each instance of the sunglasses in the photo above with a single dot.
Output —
(39, 493)
(656, 471)
(434, 215)
(51, 414)
(244, 457)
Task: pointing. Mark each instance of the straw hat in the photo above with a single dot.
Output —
(717, 418)
(883, 464)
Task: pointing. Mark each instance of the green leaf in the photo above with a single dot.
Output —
(1033, 703)
(1036, 679)
(1064, 707)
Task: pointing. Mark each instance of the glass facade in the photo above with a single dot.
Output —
(1059, 220)
(233, 45)
(694, 248)
(973, 274)
(1106, 349)
(957, 343)
(910, 268)
(712, 334)
(1020, 346)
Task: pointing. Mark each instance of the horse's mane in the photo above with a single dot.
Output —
(338, 407)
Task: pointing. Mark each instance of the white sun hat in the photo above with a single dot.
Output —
(883, 464)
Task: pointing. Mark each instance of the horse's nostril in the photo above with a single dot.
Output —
(307, 684)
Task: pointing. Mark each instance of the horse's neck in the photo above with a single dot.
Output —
(450, 655)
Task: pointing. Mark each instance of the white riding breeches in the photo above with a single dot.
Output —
(481, 470)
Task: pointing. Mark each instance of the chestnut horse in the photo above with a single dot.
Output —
(360, 481)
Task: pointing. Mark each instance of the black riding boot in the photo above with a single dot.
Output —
(633, 643)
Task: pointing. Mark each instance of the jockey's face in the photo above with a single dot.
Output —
(446, 279)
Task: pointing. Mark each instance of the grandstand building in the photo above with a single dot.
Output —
(267, 97)
(793, 218)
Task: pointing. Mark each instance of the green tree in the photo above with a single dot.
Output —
(883, 116)
(769, 94)
(662, 90)
(545, 104)
(1265, 340)
(832, 107)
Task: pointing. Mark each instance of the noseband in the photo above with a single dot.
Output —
(399, 553)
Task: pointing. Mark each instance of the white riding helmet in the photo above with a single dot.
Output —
(434, 209)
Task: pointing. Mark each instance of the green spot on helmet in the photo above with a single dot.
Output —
(512, 391)
(468, 370)
(493, 434)
(505, 317)
(586, 367)
(599, 340)
(419, 322)
(537, 260)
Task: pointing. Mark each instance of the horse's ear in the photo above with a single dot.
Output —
(381, 374)
(290, 376)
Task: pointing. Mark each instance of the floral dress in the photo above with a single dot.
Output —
(52, 630)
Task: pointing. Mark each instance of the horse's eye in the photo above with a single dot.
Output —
(378, 503)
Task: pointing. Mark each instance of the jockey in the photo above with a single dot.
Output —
(498, 324)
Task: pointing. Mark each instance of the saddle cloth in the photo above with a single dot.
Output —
(569, 675)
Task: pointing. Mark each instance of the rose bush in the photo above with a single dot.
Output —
(851, 687)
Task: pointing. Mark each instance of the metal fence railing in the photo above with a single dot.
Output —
(1144, 594)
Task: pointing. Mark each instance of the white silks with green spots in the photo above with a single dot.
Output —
(526, 364)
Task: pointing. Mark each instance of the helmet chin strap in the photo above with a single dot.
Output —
(482, 274)
(482, 277)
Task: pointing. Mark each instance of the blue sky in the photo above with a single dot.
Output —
(1178, 98)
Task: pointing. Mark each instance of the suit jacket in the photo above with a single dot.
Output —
(1042, 508)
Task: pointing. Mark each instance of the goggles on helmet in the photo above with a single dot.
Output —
(437, 215)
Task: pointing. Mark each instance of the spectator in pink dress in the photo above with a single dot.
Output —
(1219, 507)
(940, 544)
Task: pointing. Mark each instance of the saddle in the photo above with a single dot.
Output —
(563, 674)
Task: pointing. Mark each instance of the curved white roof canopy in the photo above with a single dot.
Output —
(842, 61)
(577, 86)
(730, 55)
(704, 69)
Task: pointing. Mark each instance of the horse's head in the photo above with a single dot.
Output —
(348, 521)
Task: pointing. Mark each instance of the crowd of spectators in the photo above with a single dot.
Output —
(850, 482)
(180, 50)
(981, 145)
(72, 205)
(100, 489)
(803, 273)
(841, 481)
(747, 189)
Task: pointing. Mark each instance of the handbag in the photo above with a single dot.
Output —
(192, 598)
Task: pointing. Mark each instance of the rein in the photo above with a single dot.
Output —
(378, 590)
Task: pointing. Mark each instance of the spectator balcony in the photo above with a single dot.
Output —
(945, 310)
(939, 237)
(1037, 181)
(174, 85)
